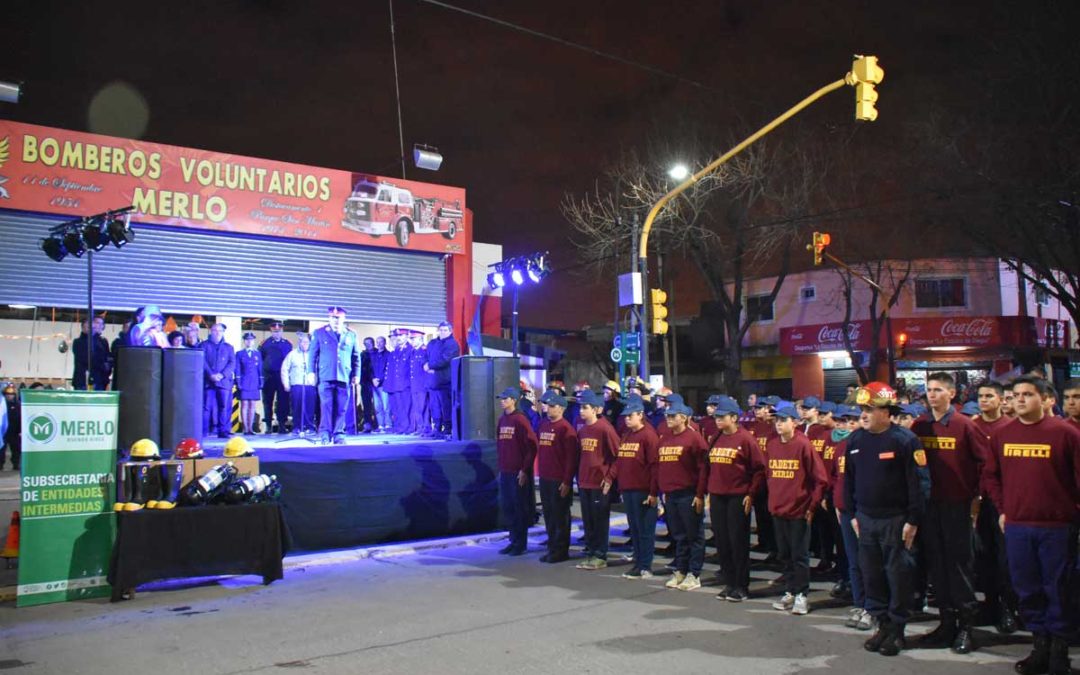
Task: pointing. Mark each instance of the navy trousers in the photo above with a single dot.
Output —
(518, 508)
(793, 548)
(275, 401)
(642, 521)
(556, 516)
(1039, 562)
(731, 528)
(854, 573)
(596, 518)
(333, 397)
(687, 529)
(399, 411)
(303, 407)
(217, 411)
(887, 567)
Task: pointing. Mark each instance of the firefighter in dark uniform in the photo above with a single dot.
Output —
(367, 386)
(440, 352)
(273, 350)
(418, 393)
(886, 485)
(397, 382)
(335, 359)
(219, 367)
(102, 366)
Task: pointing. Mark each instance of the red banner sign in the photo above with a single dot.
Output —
(968, 331)
(76, 174)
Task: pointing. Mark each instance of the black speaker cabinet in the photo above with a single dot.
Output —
(181, 396)
(139, 382)
(474, 383)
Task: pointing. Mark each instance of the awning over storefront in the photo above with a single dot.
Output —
(929, 333)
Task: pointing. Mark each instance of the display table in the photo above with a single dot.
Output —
(197, 541)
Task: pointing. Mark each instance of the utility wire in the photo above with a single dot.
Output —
(397, 90)
(575, 45)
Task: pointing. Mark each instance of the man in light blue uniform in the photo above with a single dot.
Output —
(335, 359)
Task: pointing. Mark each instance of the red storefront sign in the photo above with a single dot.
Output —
(971, 331)
(77, 174)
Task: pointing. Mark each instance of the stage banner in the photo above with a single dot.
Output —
(67, 493)
(73, 173)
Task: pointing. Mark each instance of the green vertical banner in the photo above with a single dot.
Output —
(67, 492)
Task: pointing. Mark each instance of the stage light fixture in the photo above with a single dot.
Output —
(74, 243)
(426, 157)
(538, 268)
(95, 237)
(10, 92)
(516, 276)
(120, 232)
(54, 248)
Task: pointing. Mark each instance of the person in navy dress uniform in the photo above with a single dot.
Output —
(397, 382)
(418, 393)
(335, 360)
(273, 350)
(249, 381)
(440, 352)
(219, 367)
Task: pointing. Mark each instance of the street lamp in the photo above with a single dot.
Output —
(679, 172)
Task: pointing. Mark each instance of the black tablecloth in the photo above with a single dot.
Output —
(197, 541)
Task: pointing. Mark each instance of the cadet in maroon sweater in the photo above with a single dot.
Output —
(990, 560)
(516, 448)
(762, 428)
(1033, 476)
(682, 461)
(955, 452)
(1070, 398)
(599, 444)
(636, 469)
(557, 453)
(733, 474)
(707, 424)
(797, 481)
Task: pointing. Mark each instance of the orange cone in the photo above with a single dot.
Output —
(11, 547)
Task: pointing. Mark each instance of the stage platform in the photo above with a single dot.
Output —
(379, 488)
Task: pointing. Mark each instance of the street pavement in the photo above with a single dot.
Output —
(456, 608)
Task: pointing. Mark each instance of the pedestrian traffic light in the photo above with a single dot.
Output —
(865, 73)
(901, 345)
(820, 243)
(659, 311)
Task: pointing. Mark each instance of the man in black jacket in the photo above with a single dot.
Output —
(101, 368)
(440, 352)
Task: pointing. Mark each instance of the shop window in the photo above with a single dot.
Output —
(1042, 296)
(932, 293)
(807, 294)
(759, 308)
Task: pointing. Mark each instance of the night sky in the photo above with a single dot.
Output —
(521, 120)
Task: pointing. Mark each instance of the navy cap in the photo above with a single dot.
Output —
(335, 310)
(725, 405)
(714, 399)
(674, 399)
(678, 409)
(787, 411)
(970, 408)
(590, 397)
(828, 407)
(551, 397)
(771, 401)
(249, 335)
(848, 411)
(275, 323)
(910, 409)
(510, 392)
(811, 402)
(632, 406)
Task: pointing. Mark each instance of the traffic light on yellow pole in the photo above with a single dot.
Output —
(865, 73)
(658, 311)
(820, 243)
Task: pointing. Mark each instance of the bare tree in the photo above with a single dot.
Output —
(732, 226)
(891, 276)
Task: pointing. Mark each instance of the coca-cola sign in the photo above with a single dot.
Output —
(981, 328)
(827, 337)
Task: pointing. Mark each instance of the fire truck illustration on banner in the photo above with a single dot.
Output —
(378, 208)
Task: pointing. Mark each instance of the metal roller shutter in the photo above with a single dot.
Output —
(836, 382)
(208, 273)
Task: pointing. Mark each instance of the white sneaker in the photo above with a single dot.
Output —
(646, 574)
(675, 580)
(800, 606)
(689, 583)
(853, 616)
(785, 603)
(865, 622)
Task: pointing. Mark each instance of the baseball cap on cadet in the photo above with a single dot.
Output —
(812, 402)
(910, 409)
(725, 405)
(633, 405)
(249, 335)
(713, 400)
(846, 411)
(510, 392)
(675, 399)
(678, 409)
(770, 401)
(828, 407)
(590, 397)
(787, 411)
(551, 397)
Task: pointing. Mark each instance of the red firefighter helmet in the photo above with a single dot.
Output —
(876, 395)
(189, 448)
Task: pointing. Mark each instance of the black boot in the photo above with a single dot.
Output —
(1059, 656)
(1006, 623)
(172, 477)
(942, 636)
(894, 640)
(964, 642)
(139, 475)
(876, 640)
(123, 487)
(1038, 661)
